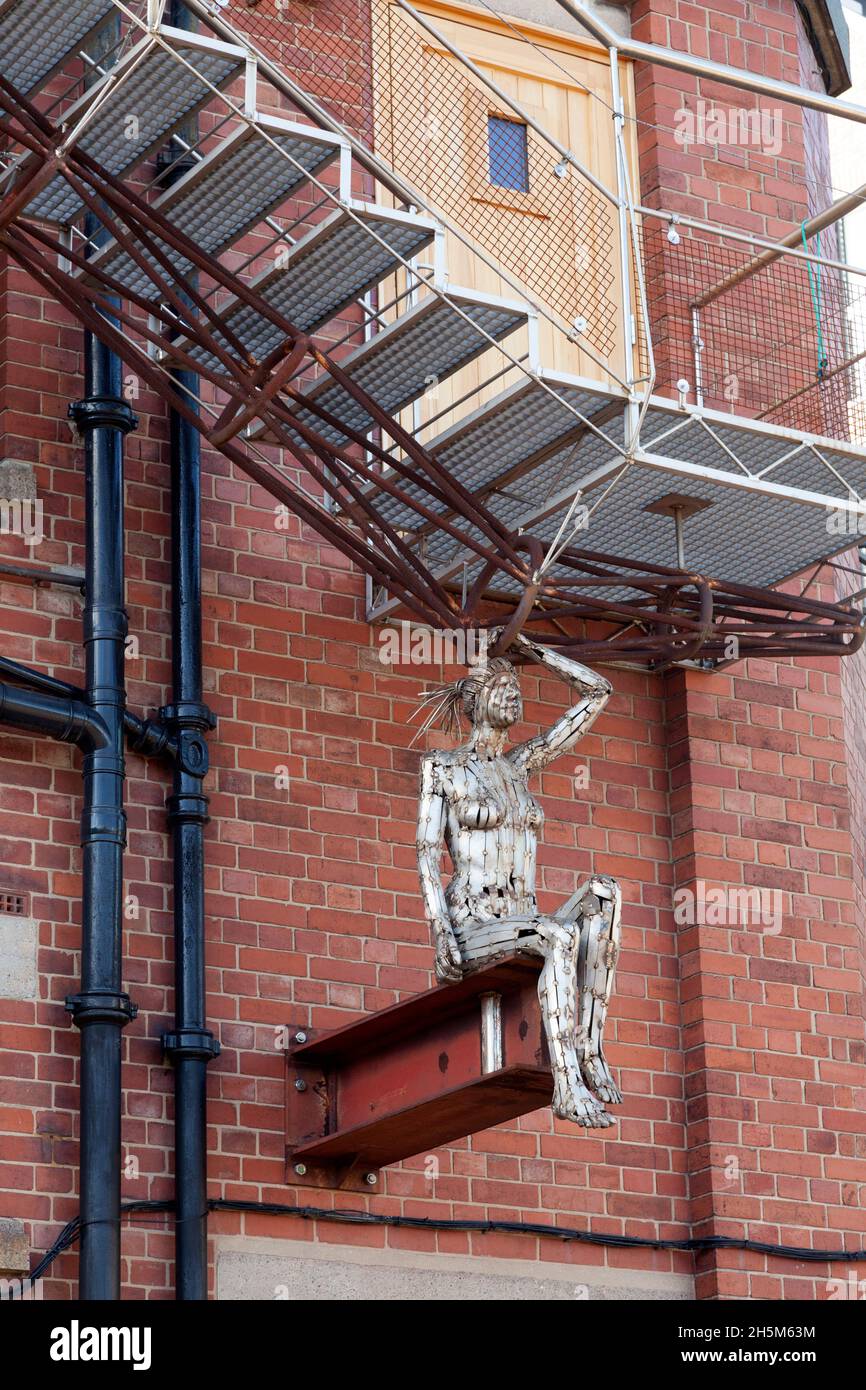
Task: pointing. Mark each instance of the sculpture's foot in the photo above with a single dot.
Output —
(597, 1074)
(576, 1103)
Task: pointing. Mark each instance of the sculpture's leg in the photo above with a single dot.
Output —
(599, 927)
(556, 941)
(557, 993)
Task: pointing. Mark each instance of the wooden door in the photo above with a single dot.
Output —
(504, 185)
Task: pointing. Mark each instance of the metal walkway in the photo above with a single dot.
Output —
(527, 453)
(288, 206)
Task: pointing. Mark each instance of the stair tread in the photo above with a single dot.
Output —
(428, 343)
(233, 188)
(327, 269)
(159, 92)
(37, 35)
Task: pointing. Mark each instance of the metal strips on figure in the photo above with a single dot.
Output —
(475, 801)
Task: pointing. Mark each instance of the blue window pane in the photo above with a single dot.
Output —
(507, 153)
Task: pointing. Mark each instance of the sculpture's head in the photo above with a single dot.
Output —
(489, 697)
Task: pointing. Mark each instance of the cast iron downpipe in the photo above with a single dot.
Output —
(61, 717)
(191, 1046)
(101, 1010)
(149, 737)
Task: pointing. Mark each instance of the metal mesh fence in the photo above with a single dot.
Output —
(784, 342)
(431, 119)
(557, 233)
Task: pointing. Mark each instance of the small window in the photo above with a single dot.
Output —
(508, 159)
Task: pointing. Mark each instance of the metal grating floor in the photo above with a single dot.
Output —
(32, 41)
(515, 429)
(232, 189)
(505, 453)
(327, 269)
(156, 95)
(431, 341)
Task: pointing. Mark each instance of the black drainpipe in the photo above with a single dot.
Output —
(63, 717)
(102, 1009)
(191, 1045)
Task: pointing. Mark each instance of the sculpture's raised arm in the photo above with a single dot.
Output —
(595, 691)
(429, 840)
(475, 802)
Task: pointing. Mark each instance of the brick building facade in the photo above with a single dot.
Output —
(740, 1051)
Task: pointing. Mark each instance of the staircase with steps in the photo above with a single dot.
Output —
(330, 267)
(232, 189)
(291, 201)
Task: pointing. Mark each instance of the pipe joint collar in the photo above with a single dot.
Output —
(189, 714)
(190, 1042)
(103, 823)
(103, 621)
(190, 807)
(101, 1006)
(104, 761)
(102, 412)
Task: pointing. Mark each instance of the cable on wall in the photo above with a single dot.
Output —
(689, 1244)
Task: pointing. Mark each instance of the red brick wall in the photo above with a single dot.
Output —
(313, 910)
(772, 1019)
(764, 773)
(760, 338)
(324, 46)
(727, 1042)
(748, 189)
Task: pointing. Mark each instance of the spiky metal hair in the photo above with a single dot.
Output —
(447, 705)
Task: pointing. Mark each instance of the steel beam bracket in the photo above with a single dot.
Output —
(190, 1042)
(101, 1006)
(406, 1080)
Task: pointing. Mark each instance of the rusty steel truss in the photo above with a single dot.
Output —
(598, 606)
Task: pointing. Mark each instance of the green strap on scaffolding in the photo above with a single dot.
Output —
(815, 287)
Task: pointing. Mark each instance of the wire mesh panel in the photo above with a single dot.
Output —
(495, 175)
(446, 133)
(777, 337)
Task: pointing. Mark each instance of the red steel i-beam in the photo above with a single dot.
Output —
(435, 1068)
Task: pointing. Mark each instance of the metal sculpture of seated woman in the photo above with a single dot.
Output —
(476, 800)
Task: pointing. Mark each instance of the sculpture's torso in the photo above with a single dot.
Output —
(491, 832)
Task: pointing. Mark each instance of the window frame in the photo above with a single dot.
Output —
(481, 190)
(509, 159)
